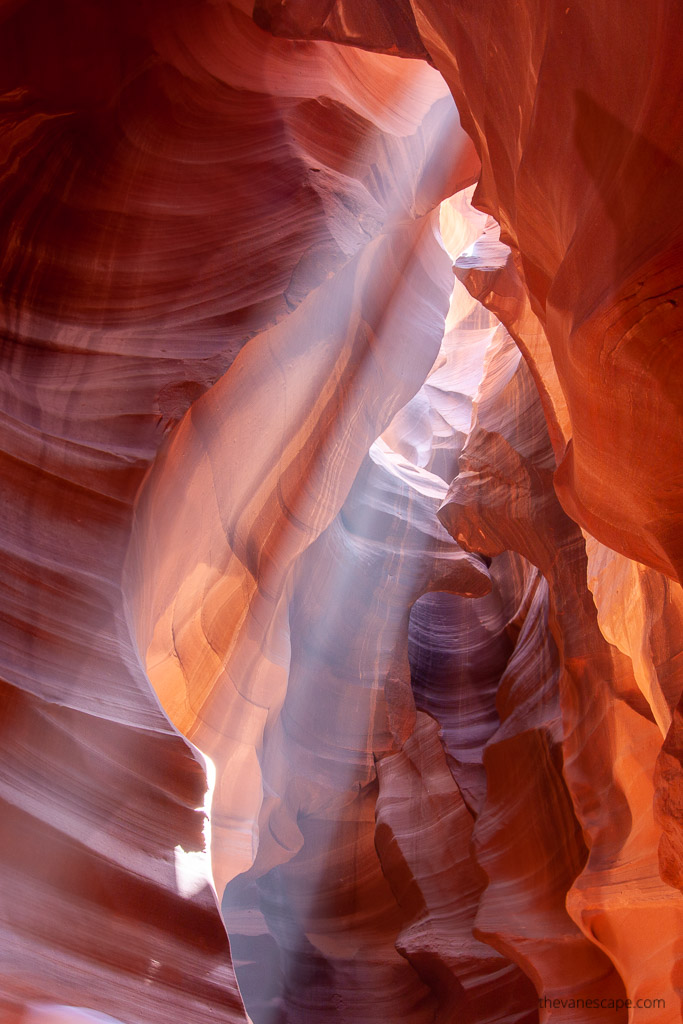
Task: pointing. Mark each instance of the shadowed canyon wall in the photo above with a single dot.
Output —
(342, 622)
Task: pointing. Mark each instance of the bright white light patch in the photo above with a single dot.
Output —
(192, 871)
(50, 1013)
(193, 868)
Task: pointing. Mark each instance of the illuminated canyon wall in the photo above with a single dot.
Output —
(342, 622)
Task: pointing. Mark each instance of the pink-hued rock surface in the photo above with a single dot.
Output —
(341, 441)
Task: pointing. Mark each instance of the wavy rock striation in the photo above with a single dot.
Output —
(351, 491)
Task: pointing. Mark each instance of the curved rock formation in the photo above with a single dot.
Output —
(503, 498)
(341, 643)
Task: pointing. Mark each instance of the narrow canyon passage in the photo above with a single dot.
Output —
(341, 436)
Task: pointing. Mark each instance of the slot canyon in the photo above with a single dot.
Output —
(342, 495)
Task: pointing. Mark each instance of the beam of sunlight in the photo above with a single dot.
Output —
(356, 564)
(252, 713)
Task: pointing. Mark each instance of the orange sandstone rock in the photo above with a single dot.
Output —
(239, 381)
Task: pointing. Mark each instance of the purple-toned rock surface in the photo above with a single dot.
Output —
(342, 622)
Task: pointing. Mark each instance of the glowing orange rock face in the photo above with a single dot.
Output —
(397, 549)
(581, 165)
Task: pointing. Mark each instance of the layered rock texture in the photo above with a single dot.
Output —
(342, 549)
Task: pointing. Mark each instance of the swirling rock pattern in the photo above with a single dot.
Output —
(351, 491)
(582, 174)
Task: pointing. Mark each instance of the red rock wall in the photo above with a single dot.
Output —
(403, 565)
(581, 165)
